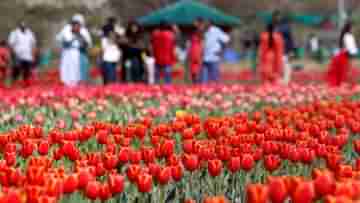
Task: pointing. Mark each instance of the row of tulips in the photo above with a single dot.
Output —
(74, 108)
(186, 158)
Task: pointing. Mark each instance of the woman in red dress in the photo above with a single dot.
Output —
(271, 54)
(195, 55)
(340, 65)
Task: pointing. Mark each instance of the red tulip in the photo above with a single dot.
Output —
(333, 161)
(116, 183)
(105, 193)
(148, 155)
(84, 178)
(144, 183)
(10, 158)
(100, 170)
(154, 169)
(135, 157)
(71, 184)
(215, 167)
(324, 183)
(344, 189)
(177, 172)
(110, 161)
(102, 137)
(44, 147)
(277, 190)
(234, 164)
(272, 162)
(124, 155)
(133, 172)
(304, 193)
(247, 162)
(164, 175)
(47, 199)
(27, 149)
(188, 146)
(344, 171)
(191, 162)
(92, 190)
(188, 134)
(15, 177)
(53, 188)
(257, 193)
(167, 148)
(223, 152)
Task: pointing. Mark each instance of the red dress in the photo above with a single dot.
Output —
(4, 61)
(271, 57)
(195, 54)
(163, 45)
(338, 69)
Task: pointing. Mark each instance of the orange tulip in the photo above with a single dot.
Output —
(257, 193)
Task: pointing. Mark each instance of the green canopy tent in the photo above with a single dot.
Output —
(185, 12)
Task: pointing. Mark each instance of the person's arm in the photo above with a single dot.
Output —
(350, 44)
(12, 39)
(224, 37)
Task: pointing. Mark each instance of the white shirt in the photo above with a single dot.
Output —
(111, 52)
(66, 31)
(350, 44)
(215, 38)
(23, 44)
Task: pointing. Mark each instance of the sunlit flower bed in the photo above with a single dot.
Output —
(221, 143)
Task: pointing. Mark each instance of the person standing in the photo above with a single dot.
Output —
(271, 52)
(111, 55)
(72, 39)
(215, 40)
(86, 43)
(163, 42)
(340, 65)
(22, 42)
(282, 26)
(5, 58)
(195, 52)
(132, 48)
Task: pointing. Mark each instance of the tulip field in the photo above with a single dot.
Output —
(180, 144)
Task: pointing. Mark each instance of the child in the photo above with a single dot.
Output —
(4, 59)
(150, 67)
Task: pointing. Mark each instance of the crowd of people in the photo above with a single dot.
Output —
(151, 60)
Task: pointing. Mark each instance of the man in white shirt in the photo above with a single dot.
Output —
(22, 43)
(111, 56)
(215, 40)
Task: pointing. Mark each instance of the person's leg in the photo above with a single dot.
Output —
(112, 72)
(16, 70)
(150, 72)
(204, 73)
(157, 73)
(214, 72)
(105, 72)
(287, 71)
(168, 76)
(27, 72)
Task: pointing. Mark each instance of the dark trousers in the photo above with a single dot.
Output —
(108, 72)
(22, 68)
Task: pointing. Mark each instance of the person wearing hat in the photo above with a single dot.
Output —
(22, 42)
(74, 40)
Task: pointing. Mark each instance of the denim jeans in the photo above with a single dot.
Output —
(109, 72)
(210, 72)
(167, 74)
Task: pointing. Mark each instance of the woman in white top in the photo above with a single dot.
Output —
(111, 56)
(340, 65)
